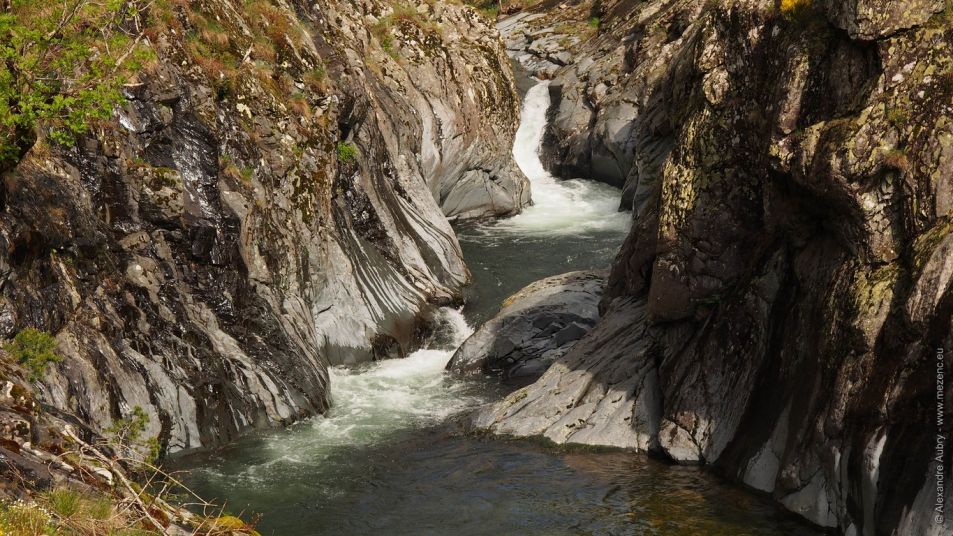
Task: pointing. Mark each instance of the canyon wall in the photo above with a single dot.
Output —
(273, 197)
(783, 302)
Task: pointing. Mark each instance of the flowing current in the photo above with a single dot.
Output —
(569, 207)
(385, 461)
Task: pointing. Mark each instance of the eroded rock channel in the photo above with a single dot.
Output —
(337, 259)
(391, 457)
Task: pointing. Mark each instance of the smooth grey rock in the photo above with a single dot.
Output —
(536, 325)
(603, 391)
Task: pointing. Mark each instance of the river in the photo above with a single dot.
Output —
(387, 459)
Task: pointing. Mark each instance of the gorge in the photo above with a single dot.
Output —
(385, 461)
(684, 269)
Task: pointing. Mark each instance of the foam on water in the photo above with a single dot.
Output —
(370, 404)
(388, 395)
(559, 206)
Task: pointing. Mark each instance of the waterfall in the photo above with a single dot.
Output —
(559, 206)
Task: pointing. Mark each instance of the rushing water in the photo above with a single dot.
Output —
(385, 461)
(572, 225)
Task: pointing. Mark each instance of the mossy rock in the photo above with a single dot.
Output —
(235, 525)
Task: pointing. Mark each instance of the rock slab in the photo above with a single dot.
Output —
(536, 326)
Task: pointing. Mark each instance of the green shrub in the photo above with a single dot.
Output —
(595, 22)
(128, 432)
(65, 63)
(34, 349)
(347, 152)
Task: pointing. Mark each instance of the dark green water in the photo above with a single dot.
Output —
(388, 460)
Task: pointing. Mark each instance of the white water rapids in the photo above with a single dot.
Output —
(371, 401)
(374, 402)
(559, 206)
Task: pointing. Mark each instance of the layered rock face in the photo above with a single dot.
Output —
(783, 303)
(273, 198)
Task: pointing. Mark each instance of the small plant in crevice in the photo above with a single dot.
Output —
(128, 433)
(897, 160)
(347, 152)
(595, 22)
(35, 350)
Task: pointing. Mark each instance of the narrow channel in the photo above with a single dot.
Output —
(387, 459)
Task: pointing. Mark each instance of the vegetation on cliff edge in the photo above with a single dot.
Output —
(62, 67)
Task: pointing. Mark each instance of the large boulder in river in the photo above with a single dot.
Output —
(537, 325)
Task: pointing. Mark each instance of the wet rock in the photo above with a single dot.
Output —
(536, 326)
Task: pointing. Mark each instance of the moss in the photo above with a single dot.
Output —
(897, 117)
(928, 241)
(347, 152)
(234, 524)
(230, 522)
(793, 8)
(35, 350)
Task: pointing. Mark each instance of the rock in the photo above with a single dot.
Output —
(211, 251)
(875, 19)
(15, 466)
(603, 391)
(536, 325)
(776, 313)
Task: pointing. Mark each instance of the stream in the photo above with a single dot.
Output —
(388, 459)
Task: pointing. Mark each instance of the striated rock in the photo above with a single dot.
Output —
(536, 326)
(786, 283)
(272, 198)
(604, 391)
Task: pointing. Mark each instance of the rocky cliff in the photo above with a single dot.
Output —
(782, 307)
(273, 197)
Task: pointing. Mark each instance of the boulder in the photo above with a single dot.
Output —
(536, 326)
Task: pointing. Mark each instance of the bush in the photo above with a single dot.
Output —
(347, 152)
(34, 349)
(127, 432)
(595, 22)
(65, 63)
